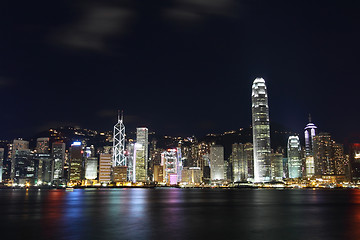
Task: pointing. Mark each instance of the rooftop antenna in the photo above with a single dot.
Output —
(309, 118)
(120, 115)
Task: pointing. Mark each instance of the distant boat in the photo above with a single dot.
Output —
(69, 189)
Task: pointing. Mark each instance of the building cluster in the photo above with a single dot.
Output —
(321, 158)
(140, 161)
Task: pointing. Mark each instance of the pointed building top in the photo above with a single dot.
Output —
(310, 124)
(259, 80)
(120, 116)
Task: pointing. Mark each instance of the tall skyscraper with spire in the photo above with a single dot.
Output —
(310, 132)
(261, 131)
(119, 158)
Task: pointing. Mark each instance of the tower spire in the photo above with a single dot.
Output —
(309, 118)
(119, 158)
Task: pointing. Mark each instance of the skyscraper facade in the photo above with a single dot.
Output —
(76, 163)
(249, 156)
(294, 157)
(204, 148)
(310, 133)
(277, 171)
(261, 131)
(58, 154)
(23, 168)
(236, 163)
(354, 159)
(309, 166)
(45, 161)
(130, 151)
(42, 145)
(217, 162)
(171, 163)
(141, 155)
(191, 175)
(1, 163)
(323, 154)
(105, 168)
(119, 158)
(17, 148)
(242, 161)
(341, 164)
(91, 166)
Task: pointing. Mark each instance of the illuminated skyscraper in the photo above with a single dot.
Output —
(329, 156)
(217, 163)
(310, 132)
(355, 162)
(341, 164)
(155, 164)
(294, 157)
(191, 175)
(180, 164)
(242, 161)
(120, 174)
(23, 167)
(323, 154)
(76, 163)
(261, 131)
(277, 170)
(91, 163)
(141, 155)
(105, 168)
(18, 149)
(119, 158)
(309, 166)
(91, 166)
(130, 151)
(58, 154)
(46, 162)
(236, 162)
(172, 164)
(42, 145)
(1, 163)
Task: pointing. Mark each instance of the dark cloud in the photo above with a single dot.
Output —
(198, 9)
(98, 22)
(107, 113)
(6, 82)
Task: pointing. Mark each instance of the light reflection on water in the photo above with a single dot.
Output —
(353, 232)
(180, 214)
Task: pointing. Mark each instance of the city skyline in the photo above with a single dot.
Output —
(186, 65)
(118, 160)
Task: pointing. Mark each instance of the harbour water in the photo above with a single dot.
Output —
(180, 214)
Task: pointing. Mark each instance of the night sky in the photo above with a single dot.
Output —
(179, 67)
